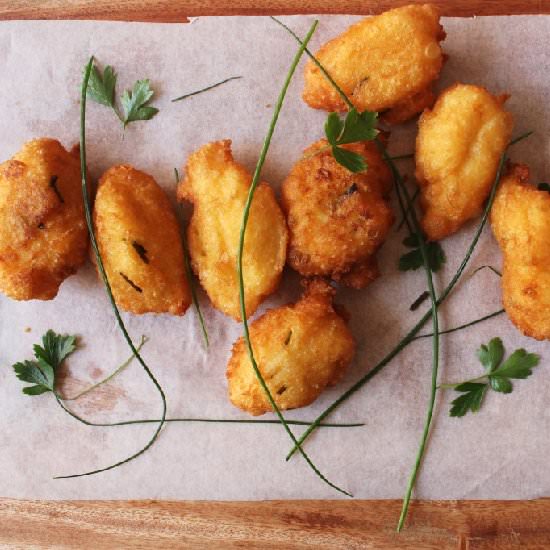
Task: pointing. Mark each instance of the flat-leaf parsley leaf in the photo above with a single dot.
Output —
(135, 102)
(355, 127)
(518, 366)
(55, 348)
(413, 260)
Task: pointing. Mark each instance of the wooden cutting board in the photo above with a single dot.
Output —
(281, 525)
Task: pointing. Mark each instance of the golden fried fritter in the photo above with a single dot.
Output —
(43, 235)
(337, 220)
(218, 187)
(458, 148)
(300, 349)
(385, 62)
(140, 243)
(520, 218)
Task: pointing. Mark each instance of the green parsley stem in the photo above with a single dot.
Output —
(101, 268)
(317, 152)
(240, 274)
(118, 370)
(484, 378)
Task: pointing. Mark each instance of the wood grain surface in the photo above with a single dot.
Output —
(463, 525)
(281, 525)
(178, 10)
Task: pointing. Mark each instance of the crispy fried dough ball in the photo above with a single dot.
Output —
(300, 349)
(520, 218)
(458, 148)
(218, 187)
(337, 220)
(140, 243)
(43, 235)
(385, 62)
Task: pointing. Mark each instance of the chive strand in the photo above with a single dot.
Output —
(118, 370)
(101, 268)
(192, 286)
(61, 403)
(406, 213)
(417, 231)
(461, 327)
(211, 87)
(246, 214)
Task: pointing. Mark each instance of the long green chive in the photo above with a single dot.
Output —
(101, 268)
(408, 338)
(61, 403)
(189, 273)
(246, 214)
(435, 321)
(414, 331)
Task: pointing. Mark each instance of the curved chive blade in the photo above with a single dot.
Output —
(246, 214)
(118, 370)
(412, 333)
(101, 268)
(189, 273)
(211, 87)
(203, 420)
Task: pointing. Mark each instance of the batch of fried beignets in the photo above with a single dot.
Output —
(330, 227)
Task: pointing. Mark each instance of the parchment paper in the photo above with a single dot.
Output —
(502, 452)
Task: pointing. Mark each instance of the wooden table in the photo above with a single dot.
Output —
(278, 524)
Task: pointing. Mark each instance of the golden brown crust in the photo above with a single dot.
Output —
(520, 219)
(380, 63)
(43, 234)
(410, 107)
(458, 149)
(337, 220)
(300, 350)
(218, 187)
(140, 243)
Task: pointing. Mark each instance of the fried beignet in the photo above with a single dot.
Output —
(300, 349)
(43, 235)
(337, 220)
(140, 243)
(218, 187)
(458, 149)
(383, 62)
(520, 219)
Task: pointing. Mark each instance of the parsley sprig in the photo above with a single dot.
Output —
(41, 373)
(413, 260)
(498, 375)
(134, 102)
(57, 347)
(355, 127)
